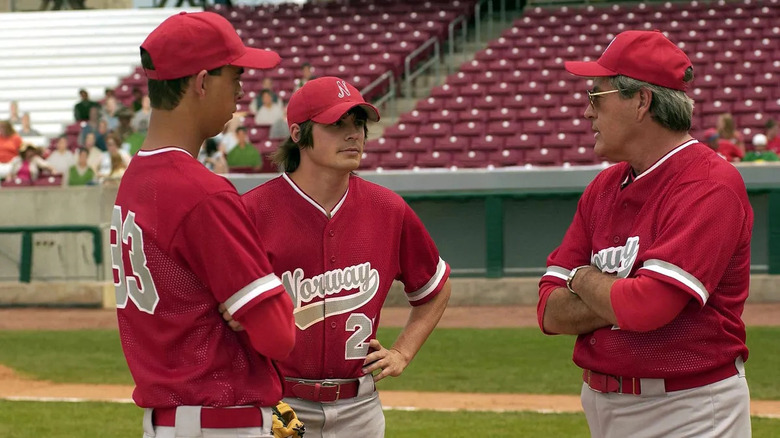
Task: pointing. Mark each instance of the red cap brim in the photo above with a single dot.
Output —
(257, 58)
(591, 69)
(332, 114)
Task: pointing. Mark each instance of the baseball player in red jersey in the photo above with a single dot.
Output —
(653, 271)
(181, 244)
(338, 242)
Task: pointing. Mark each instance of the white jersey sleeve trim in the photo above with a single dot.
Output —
(557, 272)
(251, 291)
(432, 284)
(669, 270)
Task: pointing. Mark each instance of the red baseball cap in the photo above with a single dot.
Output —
(187, 43)
(325, 100)
(639, 54)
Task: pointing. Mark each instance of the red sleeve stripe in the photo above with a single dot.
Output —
(252, 291)
(675, 273)
(557, 272)
(432, 284)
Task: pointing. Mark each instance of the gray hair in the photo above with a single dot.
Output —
(672, 109)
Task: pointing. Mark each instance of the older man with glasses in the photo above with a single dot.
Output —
(653, 272)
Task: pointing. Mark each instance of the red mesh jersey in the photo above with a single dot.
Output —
(685, 221)
(339, 270)
(180, 245)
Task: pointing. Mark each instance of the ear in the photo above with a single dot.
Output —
(199, 84)
(295, 132)
(643, 105)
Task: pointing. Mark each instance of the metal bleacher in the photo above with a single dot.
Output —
(49, 56)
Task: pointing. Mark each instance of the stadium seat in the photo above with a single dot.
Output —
(434, 159)
(543, 157)
(506, 157)
(453, 143)
(414, 144)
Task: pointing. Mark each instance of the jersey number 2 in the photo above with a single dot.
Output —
(139, 286)
(357, 347)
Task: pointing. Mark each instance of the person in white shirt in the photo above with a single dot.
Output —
(61, 158)
(269, 112)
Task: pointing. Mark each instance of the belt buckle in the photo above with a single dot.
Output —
(330, 384)
(621, 389)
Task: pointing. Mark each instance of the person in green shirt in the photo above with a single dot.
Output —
(80, 174)
(244, 154)
(760, 153)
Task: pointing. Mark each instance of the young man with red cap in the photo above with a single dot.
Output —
(181, 245)
(647, 275)
(338, 242)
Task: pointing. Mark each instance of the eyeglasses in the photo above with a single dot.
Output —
(591, 96)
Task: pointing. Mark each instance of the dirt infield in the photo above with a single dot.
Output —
(13, 386)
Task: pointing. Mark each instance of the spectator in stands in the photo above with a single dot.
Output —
(268, 112)
(110, 112)
(74, 4)
(244, 154)
(727, 130)
(726, 149)
(118, 168)
(81, 111)
(125, 127)
(112, 153)
(140, 125)
(28, 165)
(10, 142)
(95, 155)
(307, 74)
(13, 113)
(212, 157)
(90, 125)
(279, 130)
(760, 153)
(80, 174)
(227, 138)
(772, 138)
(109, 92)
(138, 97)
(140, 121)
(268, 84)
(61, 159)
(26, 130)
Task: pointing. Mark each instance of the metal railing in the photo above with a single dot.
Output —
(434, 61)
(460, 20)
(26, 255)
(391, 89)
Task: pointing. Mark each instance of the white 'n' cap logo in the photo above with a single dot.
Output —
(343, 90)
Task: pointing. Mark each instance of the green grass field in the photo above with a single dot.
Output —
(453, 360)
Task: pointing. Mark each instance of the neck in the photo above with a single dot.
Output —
(325, 187)
(168, 129)
(653, 146)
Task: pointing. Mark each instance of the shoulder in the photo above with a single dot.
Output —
(180, 171)
(271, 188)
(700, 163)
(369, 192)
